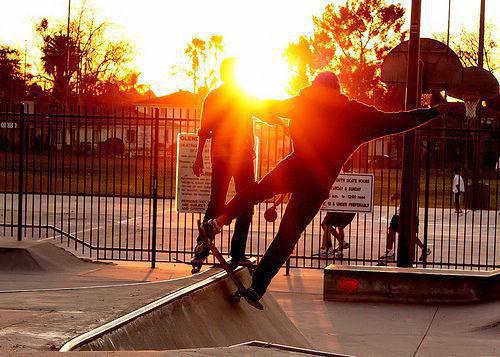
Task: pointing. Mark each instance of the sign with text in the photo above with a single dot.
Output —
(193, 193)
(8, 125)
(351, 193)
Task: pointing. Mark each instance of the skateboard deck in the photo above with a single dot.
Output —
(197, 264)
(241, 290)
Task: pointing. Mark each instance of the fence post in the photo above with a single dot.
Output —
(406, 248)
(427, 186)
(20, 175)
(155, 186)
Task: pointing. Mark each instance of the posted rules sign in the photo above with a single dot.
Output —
(193, 193)
(351, 193)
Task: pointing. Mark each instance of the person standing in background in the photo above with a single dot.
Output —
(457, 189)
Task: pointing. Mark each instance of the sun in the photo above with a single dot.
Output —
(263, 78)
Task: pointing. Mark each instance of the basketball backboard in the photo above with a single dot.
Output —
(441, 66)
(476, 80)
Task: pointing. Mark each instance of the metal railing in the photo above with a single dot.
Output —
(102, 181)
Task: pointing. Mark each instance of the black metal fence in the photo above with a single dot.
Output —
(102, 182)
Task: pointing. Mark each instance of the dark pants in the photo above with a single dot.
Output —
(457, 201)
(307, 196)
(243, 174)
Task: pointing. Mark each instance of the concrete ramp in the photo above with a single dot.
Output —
(37, 256)
(197, 316)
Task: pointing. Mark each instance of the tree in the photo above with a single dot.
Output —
(125, 91)
(465, 45)
(302, 60)
(204, 57)
(13, 85)
(351, 40)
(81, 67)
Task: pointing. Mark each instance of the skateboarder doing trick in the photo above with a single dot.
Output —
(326, 127)
(227, 120)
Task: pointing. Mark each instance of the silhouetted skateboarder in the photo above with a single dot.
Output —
(227, 120)
(326, 127)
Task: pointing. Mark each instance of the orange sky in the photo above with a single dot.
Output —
(255, 31)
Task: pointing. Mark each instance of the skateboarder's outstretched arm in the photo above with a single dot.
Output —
(272, 112)
(375, 123)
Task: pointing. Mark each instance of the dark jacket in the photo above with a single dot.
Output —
(326, 128)
(226, 118)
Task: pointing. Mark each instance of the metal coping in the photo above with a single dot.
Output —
(277, 346)
(78, 341)
(332, 268)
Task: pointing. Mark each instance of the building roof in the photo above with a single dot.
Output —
(177, 99)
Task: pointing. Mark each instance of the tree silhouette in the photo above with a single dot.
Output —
(204, 57)
(13, 86)
(351, 40)
(465, 45)
(80, 68)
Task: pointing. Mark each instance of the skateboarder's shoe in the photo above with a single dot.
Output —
(324, 253)
(201, 251)
(421, 259)
(252, 297)
(389, 255)
(211, 228)
(344, 246)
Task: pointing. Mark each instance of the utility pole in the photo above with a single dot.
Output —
(480, 50)
(406, 246)
(448, 29)
(25, 60)
(66, 72)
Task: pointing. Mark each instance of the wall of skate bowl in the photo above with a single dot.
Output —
(409, 285)
(196, 316)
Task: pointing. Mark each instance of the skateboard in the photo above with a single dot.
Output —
(196, 265)
(241, 290)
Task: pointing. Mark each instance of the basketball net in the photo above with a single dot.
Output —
(471, 100)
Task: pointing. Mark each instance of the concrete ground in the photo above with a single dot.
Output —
(367, 329)
(40, 311)
(70, 303)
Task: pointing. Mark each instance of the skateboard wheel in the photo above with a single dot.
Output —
(195, 270)
(251, 269)
(235, 299)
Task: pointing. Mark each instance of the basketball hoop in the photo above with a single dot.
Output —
(471, 100)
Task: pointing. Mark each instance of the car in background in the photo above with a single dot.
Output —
(112, 147)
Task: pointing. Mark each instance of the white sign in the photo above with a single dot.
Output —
(193, 193)
(8, 125)
(351, 193)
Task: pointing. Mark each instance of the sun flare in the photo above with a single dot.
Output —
(263, 78)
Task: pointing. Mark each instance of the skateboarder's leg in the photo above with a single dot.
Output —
(278, 180)
(219, 186)
(244, 179)
(299, 212)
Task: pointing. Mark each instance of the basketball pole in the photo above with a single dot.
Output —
(406, 239)
(480, 50)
